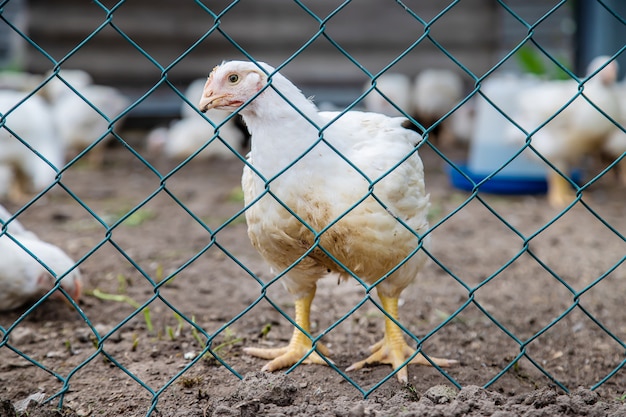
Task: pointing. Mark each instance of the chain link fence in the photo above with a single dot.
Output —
(211, 340)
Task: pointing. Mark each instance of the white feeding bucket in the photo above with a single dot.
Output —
(491, 148)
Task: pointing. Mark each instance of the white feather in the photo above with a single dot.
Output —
(22, 277)
(32, 122)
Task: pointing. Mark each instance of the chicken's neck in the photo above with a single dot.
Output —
(280, 135)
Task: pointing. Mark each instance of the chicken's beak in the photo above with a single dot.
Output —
(78, 290)
(210, 101)
(45, 281)
(75, 293)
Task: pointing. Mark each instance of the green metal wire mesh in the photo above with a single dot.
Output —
(209, 338)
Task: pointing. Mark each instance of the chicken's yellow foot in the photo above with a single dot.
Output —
(560, 192)
(393, 349)
(299, 345)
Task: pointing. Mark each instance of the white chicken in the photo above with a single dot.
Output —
(22, 277)
(22, 170)
(14, 227)
(578, 130)
(187, 135)
(396, 87)
(369, 221)
(435, 93)
(615, 145)
(78, 123)
(56, 88)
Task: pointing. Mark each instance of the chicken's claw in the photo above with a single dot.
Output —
(287, 356)
(393, 349)
(394, 354)
(299, 345)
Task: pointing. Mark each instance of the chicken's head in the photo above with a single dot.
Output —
(71, 283)
(232, 84)
(607, 69)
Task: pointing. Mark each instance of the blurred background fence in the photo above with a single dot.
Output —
(151, 50)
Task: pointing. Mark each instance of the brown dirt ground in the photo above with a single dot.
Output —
(214, 290)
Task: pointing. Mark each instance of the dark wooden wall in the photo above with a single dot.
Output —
(374, 32)
(476, 32)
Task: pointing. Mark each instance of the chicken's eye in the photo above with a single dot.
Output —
(233, 78)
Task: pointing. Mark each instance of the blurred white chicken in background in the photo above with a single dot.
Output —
(22, 171)
(435, 93)
(24, 279)
(185, 136)
(397, 88)
(14, 227)
(578, 130)
(78, 124)
(55, 88)
(615, 145)
(19, 81)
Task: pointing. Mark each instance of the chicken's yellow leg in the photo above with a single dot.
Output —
(560, 192)
(299, 345)
(18, 190)
(95, 157)
(621, 171)
(393, 349)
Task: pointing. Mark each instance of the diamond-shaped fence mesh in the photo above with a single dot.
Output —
(510, 271)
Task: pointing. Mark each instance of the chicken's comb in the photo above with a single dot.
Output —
(212, 71)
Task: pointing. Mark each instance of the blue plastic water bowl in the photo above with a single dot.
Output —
(500, 183)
